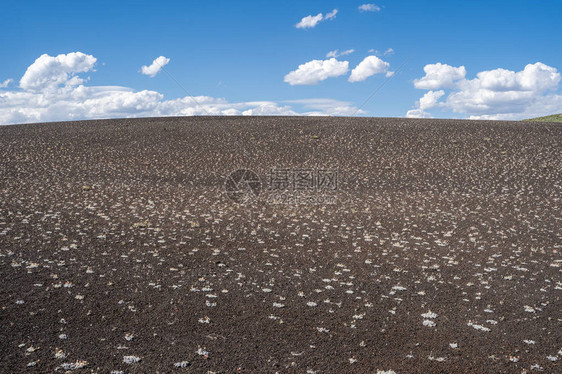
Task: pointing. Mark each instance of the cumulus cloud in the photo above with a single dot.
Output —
(493, 94)
(418, 113)
(48, 72)
(336, 53)
(6, 83)
(315, 71)
(430, 99)
(371, 65)
(311, 21)
(369, 8)
(535, 77)
(427, 101)
(440, 76)
(155, 67)
(53, 92)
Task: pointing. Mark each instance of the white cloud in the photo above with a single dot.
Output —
(371, 65)
(6, 83)
(331, 15)
(311, 21)
(269, 109)
(535, 77)
(427, 101)
(63, 97)
(48, 72)
(418, 113)
(388, 52)
(327, 107)
(440, 76)
(369, 8)
(315, 71)
(155, 67)
(337, 53)
(430, 99)
(493, 94)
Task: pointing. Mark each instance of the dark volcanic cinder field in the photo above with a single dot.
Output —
(120, 251)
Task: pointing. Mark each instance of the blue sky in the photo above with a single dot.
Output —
(241, 52)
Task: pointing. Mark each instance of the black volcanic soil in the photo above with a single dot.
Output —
(120, 251)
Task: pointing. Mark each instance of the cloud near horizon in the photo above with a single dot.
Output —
(315, 71)
(492, 94)
(48, 72)
(52, 90)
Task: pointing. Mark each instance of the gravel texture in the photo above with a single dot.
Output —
(121, 253)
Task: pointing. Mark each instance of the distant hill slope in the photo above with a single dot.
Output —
(552, 118)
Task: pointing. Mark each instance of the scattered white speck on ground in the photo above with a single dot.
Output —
(429, 314)
(478, 327)
(428, 323)
(131, 359)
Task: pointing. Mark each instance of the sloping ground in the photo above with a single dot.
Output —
(552, 118)
(440, 250)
